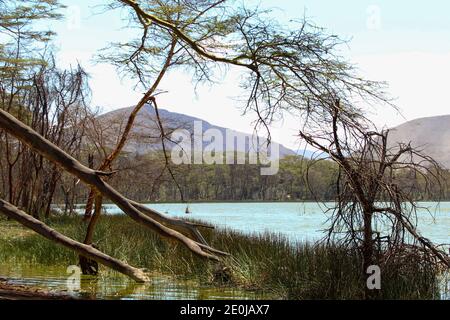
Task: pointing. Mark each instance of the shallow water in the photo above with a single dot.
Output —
(110, 286)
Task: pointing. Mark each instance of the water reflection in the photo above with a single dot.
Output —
(114, 286)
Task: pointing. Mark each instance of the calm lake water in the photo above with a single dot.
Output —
(297, 221)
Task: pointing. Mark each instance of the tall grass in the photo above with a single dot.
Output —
(266, 262)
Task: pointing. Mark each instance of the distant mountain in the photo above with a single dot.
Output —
(431, 135)
(145, 135)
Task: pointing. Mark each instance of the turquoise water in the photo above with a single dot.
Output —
(299, 221)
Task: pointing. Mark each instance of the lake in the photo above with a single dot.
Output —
(299, 221)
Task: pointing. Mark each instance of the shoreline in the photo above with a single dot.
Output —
(265, 263)
(244, 201)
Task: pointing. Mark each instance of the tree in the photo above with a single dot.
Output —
(367, 189)
(284, 68)
(21, 58)
(17, 21)
(292, 70)
(295, 71)
(22, 44)
(87, 251)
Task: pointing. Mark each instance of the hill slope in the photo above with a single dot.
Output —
(431, 135)
(145, 133)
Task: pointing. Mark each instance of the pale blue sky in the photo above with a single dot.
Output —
(406, 43)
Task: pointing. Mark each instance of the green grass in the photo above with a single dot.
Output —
(266, 262)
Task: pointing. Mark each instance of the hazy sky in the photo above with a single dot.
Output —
(406, 43)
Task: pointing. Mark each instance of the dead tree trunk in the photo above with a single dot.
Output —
(89, 266)
(92, 178)
(39, 227)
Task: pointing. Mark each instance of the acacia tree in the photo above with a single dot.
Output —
(16, 20)
(51, 101)
(22, 45)
(283, 68)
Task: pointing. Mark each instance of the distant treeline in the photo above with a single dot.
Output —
(299, 179)
(150, 182)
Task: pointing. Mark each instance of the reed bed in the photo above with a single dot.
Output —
(264, 262)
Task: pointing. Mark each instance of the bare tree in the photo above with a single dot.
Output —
(39, 227)
(368, 193)
(37, 93)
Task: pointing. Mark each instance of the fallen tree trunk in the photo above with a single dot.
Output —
(10, 291)
(41, 228)
(92, 177)
(182, 226)
(185, 227)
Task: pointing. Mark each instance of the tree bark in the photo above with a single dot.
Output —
(91, 227)
(89, 266)
(39, 227)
